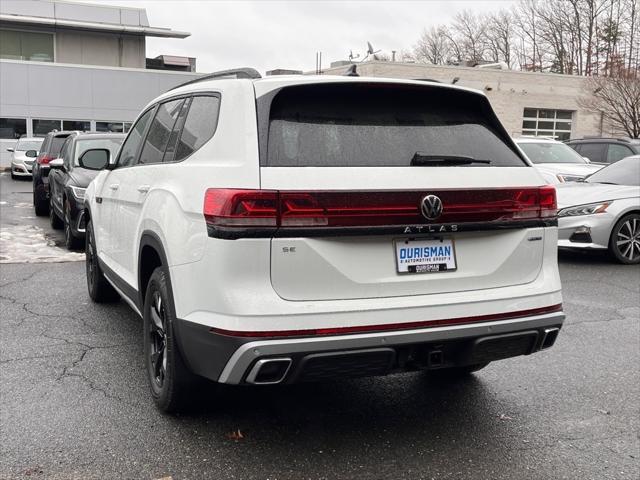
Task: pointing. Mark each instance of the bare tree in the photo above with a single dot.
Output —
(527, 21)
(575, 37)
(499, 35)
(617, 98)
(433, 46)
(470, 35)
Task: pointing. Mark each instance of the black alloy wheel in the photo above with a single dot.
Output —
(54, 220)
(170, 379)
(158, 340)
(100, 290)
(72, 242)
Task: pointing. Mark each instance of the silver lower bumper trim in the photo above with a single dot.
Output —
(242, 358)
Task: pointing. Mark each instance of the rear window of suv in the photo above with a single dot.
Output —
(381, 125)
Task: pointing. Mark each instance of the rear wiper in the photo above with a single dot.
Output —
(421, 159)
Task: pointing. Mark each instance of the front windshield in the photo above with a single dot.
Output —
(623, 172)
(24, 145)
(111, 144)
(551, 153)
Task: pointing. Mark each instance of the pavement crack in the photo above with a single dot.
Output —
(20, 280)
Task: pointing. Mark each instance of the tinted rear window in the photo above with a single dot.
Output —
(365, 125)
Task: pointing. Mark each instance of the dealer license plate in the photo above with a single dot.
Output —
(425, 256)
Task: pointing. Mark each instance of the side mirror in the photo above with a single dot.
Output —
(57, 164)
(10, 149)
(587, 159)
(94, 159)
(31, 153)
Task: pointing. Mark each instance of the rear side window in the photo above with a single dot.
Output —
(593, 151)
(56, 145)
(617, 152)
(160, 131)
(372, 125)
(199, 125)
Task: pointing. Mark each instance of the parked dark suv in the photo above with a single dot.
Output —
(69, 176)
(605, 150)
(50, 149)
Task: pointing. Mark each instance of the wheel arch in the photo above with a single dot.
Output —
(151, 255)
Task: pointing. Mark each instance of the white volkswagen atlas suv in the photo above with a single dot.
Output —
(300, 228)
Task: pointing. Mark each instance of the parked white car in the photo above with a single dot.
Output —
(603, 212)
(23, 156)
(556, 162)
(298, 228)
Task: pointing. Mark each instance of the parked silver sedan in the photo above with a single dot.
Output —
(603, 212)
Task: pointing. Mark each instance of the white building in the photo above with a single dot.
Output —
(67, 65)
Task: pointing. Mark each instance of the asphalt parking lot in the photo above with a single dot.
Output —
(74, 400)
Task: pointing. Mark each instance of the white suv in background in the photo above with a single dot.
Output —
(297, 228)
(556, 162)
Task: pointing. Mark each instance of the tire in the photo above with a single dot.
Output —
(41, 206)
(13, 176)
(54, 219)
(100, 290)
(456, 372)
(73, 243)
(170, 380)
(624, 243)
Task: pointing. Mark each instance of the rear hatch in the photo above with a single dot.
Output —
(386, 190)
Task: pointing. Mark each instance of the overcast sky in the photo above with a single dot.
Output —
(287, 34)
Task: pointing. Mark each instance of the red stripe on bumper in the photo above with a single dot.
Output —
(391, 326)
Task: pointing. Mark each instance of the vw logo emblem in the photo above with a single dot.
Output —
(431, 207)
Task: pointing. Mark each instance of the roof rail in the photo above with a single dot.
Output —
(598, 137)
(245, 72)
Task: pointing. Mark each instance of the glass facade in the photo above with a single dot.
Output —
(32, 46)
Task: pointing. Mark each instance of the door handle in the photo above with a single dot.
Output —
(114, 186)
(144, 188)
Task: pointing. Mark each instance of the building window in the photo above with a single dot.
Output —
(540, 122)
(42, 126)
(81, 125)
(17, 45)
(116, 127)
(12, 127)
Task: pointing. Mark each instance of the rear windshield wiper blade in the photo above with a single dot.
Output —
(422, 159)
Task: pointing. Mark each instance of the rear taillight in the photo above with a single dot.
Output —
(548, 202)
(241, 208)
(231, 213)
(44, 159)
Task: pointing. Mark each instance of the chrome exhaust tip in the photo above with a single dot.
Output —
(549, 337)
(269, 371)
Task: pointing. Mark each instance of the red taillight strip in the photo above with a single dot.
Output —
(234, 213)
(390, 326)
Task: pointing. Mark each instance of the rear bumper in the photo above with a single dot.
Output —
(238, 360)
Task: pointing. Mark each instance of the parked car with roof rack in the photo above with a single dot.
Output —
(70, 175)
(605, 150)
(23, 154)
(555, 161)
(300, 228)
(50, 149)
(603, 212)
